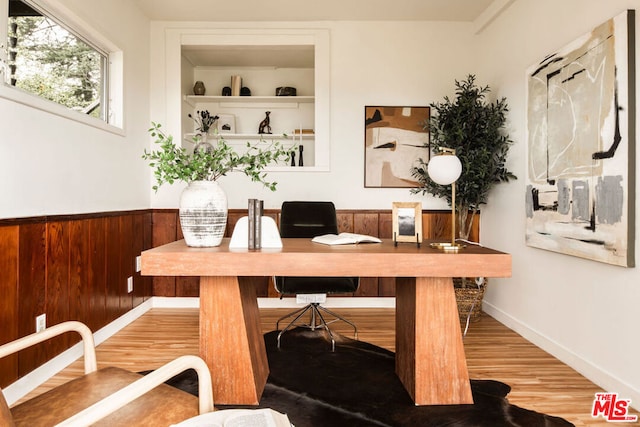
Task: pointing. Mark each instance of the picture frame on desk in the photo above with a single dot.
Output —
(407, 222)
(226, 123)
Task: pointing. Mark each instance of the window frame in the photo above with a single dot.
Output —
(112, 77)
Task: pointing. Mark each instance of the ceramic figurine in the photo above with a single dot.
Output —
(265, 127)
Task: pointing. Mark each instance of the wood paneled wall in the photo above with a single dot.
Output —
(69, 268)
(76, 268)
(435, 225)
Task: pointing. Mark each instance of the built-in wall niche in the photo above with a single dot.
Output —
(264, 61)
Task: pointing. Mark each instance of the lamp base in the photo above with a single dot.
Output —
(448, 246)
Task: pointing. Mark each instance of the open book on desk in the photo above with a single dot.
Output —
(238, 418)
(345, 239)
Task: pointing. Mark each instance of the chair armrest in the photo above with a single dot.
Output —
(90, 364)
(122, 397)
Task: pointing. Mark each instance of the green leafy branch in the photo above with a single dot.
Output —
(172, 163)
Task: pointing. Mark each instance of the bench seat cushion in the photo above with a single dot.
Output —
(162, 406)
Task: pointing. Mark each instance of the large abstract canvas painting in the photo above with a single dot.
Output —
(581, 146)
(395, 138)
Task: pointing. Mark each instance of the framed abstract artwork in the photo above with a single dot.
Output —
(581, 146)
(395, 138)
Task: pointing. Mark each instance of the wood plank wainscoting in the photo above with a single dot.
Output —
(71, 267)
(75, 267)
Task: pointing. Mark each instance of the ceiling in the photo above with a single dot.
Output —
(250, 56)
(314, 10)
(472, 11)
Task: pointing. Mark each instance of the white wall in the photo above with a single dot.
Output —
(372, 63)
(584, 312)
(52, 165)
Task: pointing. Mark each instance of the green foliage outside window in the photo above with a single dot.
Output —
(53, 63)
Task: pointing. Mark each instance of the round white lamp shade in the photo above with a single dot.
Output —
(444, 169)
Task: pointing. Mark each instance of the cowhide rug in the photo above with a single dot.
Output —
(356, 386)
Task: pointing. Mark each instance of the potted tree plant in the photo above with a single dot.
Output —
(474, 128)
(203, 204)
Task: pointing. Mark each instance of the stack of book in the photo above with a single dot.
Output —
(256, 209)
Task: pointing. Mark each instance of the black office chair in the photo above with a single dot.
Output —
(307, 220)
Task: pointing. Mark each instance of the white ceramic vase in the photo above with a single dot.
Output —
(203, 214)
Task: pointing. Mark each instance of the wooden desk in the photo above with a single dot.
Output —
(430, 358)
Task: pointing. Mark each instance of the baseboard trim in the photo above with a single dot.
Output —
(332, 302)
(40, 375)
(594, 373)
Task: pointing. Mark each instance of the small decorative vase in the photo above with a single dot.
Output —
(203, 144)
(199, 89)
(203, 214)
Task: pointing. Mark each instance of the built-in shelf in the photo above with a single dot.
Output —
(194, 99)
(214, 56)
(254, 136)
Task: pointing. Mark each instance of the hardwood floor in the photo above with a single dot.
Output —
(539, 381)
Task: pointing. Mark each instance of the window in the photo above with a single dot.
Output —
(51, 59)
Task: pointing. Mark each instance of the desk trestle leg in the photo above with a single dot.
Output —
(430, 359)
(231, 340)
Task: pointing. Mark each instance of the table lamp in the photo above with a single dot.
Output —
(444, 169)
